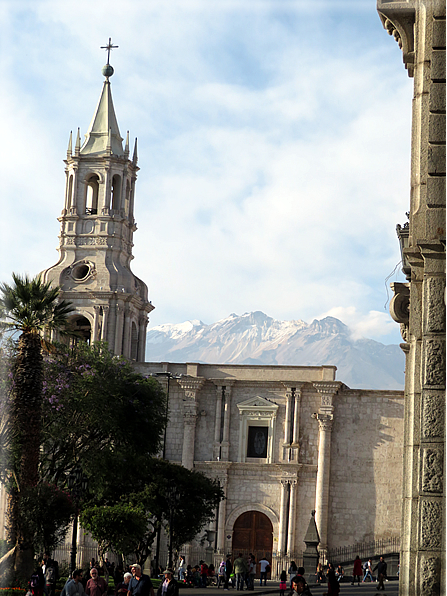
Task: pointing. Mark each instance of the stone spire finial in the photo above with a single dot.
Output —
(78, 143)
(107, 70)
(135, 153)
(70, 145)
(126, 148)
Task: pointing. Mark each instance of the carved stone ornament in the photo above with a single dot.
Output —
(431, 525)
(433, 421)
(80, 271)
(432, 470)
(398, 20)
(430, 576)
(400, 303)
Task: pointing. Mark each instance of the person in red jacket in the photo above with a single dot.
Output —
(357, 572)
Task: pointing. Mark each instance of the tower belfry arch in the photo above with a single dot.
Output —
(96, 234)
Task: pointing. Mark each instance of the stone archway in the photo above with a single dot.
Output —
(253, 533)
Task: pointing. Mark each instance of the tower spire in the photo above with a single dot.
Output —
(135, 153)
(70, 145)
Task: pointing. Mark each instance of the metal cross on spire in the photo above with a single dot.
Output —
(109, 47)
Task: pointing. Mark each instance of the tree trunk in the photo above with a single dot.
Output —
(27, 420)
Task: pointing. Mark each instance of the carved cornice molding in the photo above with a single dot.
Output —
(398, 18)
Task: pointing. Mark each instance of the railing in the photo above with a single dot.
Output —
(365, 550)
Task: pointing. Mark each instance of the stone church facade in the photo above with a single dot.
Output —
(282, 440)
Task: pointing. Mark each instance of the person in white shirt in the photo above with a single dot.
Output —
(264, 564)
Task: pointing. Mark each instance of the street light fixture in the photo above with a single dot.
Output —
(77, 486)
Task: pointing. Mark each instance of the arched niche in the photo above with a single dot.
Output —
(116, 192)
(92, 194)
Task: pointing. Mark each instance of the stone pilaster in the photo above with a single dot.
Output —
(223, 481)
(105, 315)
(225, 447)
(283, 517)
(220, 392)
(419, 29)
(325, 418)
(291, 530)
(191, 387)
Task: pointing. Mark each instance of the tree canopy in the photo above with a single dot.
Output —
(99, 415)
(165, 495)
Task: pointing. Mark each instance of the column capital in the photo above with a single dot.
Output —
(191, 386)
(227, 383)
(325, 421)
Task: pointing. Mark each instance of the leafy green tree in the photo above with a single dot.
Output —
(170, 497)
(99, 415)
(31, 307)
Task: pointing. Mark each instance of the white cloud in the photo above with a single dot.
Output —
(270, 178)
(373, 325)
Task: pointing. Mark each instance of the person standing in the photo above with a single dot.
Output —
(122, 588)
(96, 586)
(140, 584)
(381, 572)
(357, 572)
(50, 569)
(293, 569)
(251, 571)
(181, 568)
(368, 570)
(264, 565)
(169, 587)
(74, 587)
(282, 583)
(228, 572)
(240, 568)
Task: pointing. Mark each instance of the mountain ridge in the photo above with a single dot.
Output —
(257, 339)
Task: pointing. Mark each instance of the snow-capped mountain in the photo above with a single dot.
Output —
(255, 338)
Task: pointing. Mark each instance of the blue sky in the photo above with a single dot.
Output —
(274, 147)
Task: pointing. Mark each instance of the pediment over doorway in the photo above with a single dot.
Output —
(257, 403)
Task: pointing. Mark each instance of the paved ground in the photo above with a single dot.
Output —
(367, 589)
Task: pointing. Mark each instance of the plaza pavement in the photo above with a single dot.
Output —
(366, 589)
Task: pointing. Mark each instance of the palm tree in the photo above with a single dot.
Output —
(30, 307)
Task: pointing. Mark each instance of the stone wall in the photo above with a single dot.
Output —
(365, 451)
(366, 467)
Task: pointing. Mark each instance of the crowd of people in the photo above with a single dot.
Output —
(239, 574)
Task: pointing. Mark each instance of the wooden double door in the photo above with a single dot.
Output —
(253, 533)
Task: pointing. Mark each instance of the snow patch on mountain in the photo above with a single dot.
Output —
(255, 338)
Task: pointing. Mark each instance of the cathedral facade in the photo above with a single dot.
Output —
(283, 441)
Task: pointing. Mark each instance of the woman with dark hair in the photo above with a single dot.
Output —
(293, 570)
(333, 585)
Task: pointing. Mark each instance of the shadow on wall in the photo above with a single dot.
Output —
(366, 468)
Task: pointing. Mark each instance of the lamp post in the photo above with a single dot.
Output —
(173, 499)
(77, 485)
(403, 235)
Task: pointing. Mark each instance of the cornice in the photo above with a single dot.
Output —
(398, 18)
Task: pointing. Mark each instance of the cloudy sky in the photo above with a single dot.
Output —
(274, 147)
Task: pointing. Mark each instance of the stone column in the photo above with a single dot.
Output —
(296, 419)
(190, 411)
(95, 329)
(283, 518)
(218, 422)
(225, 450)
(223, 481)
(105, 314)
(107, 193)
(126, 333)
(291, 538)
(325, 418)
(286, 452)
(322, 488)
(143, 321)
(118, 344)
(74, 193)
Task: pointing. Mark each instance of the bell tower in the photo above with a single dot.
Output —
(95, 241)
